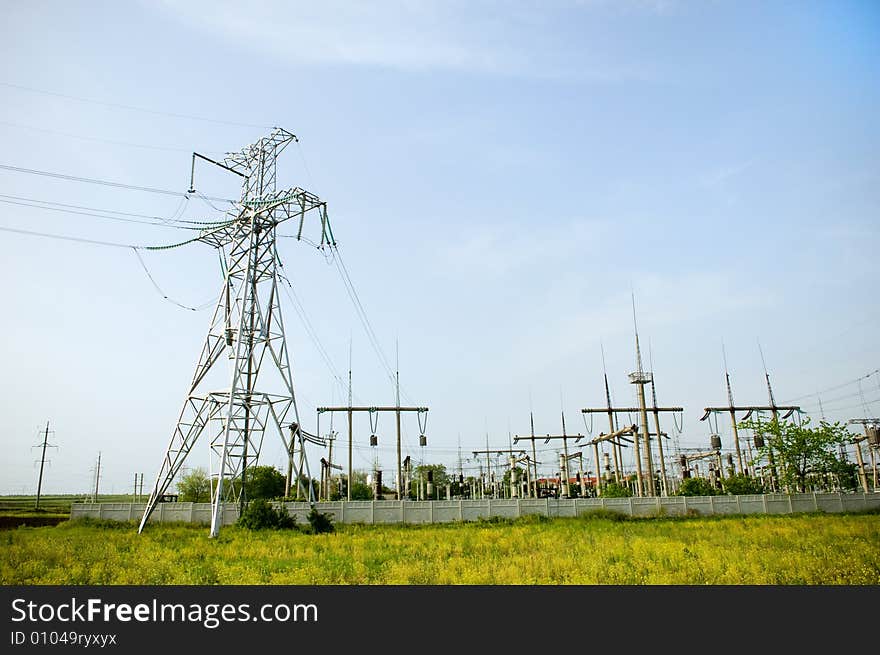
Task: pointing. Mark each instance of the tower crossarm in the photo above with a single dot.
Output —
(749, 409)
(703, 455)
(629, 410)
(267, 212)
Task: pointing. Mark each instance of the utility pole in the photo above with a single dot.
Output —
(97, 476)
(299, 436)
(44, 445)
(640, 378)
(872, 436)
(616, 447)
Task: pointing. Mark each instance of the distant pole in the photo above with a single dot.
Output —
(97, 476)
(350, 472)
(42, 463)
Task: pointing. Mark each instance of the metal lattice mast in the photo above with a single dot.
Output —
(247, 330)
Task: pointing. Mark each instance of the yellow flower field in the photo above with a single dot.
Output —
(757, 550)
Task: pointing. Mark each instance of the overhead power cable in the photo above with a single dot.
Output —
(97, 242)
(69, 209)
(69, 135)
(76, 178)
(364, 319)
(133, 108)
(204, 305)
(835, 387)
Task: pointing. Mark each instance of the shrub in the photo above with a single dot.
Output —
(260, 515)
(696, 487)
(320, 522)
(742, 485)
(614, 490)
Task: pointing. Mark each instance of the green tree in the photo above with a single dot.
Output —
(263, 482)
(696, 487)
(194, 487)
(847, 474)
(615, 490)
(741, 485)
(420, 476)
(361, 491)
(800, 450)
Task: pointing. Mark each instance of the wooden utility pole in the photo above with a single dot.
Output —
(872, 436)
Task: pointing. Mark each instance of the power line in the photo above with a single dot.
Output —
(174, 218)
(838, 386)
(90, 138)
(132, 107)
(362, 316)
(63, 209)
(163, 294)
(75, 178)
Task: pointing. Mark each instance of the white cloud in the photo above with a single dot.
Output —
(482, 37)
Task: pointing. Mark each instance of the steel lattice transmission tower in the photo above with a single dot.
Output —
(247, 331)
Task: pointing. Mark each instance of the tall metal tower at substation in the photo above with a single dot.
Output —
(246, 331)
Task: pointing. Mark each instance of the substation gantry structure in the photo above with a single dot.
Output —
(374, 414)
(510, 452)
(732, 409)
(246, 330)
(564, 457)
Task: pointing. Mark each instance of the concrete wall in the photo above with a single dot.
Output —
(446, 511)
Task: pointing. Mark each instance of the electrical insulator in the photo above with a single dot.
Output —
(374, 440)
(423, 440)
(715, 440)
(759, 441)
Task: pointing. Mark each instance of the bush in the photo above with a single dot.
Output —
(696, 487)
(614, 490)
(742, 485)
(260, 515)
(320, 522)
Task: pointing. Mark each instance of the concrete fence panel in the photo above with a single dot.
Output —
(446, 511)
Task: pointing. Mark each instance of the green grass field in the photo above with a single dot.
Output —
(809, 549)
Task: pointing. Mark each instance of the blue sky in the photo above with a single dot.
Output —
(501, 178)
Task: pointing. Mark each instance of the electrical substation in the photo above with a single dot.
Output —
(242, 392)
